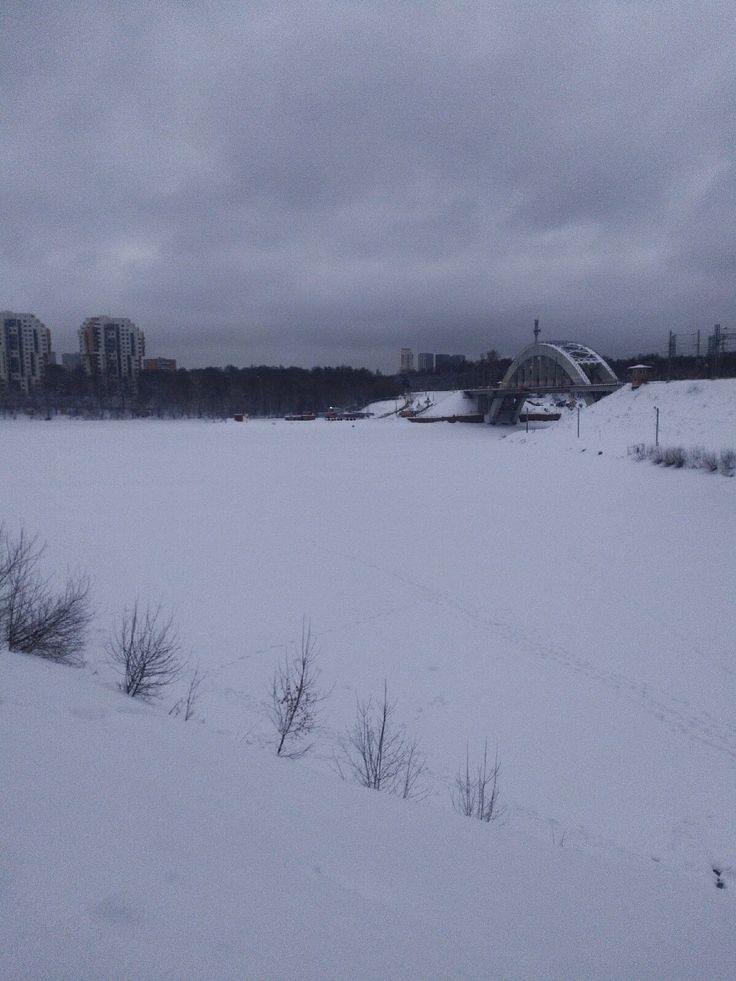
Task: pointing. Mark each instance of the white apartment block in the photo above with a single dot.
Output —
(112, 347)
(25, 345)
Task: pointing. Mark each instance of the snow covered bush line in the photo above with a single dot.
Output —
(34, 618)
(695, 458)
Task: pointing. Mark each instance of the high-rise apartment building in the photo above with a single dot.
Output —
(25, 344)
(407, 360)
(426, 361)
(112, 347)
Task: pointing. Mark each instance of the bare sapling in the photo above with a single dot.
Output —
(295, 699)
(476, 790)
(377, 752)
(187, 703)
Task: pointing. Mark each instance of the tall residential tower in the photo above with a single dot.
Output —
(25, 345)
(112, 347)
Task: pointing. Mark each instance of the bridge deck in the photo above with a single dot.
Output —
(531, 390)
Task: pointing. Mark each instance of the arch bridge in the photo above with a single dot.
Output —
(543, 368)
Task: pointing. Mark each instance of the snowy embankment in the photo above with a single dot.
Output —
(575, 608)
(135, 845)
(691, 413)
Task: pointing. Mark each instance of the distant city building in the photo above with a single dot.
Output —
(25, 344)
(159, 364)
(112, 347)
(407, 359)
(71, 361)
(443, 362)
(426, 361)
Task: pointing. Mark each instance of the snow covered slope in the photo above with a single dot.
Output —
(691, 413)
(573, 606)
(135, 845)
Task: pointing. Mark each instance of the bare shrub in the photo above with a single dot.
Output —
(48, 624)
(145, 644)
(710, 461)
(695, 458)
(674, 456)
(656, 454)
(476, 790)
(295, 699)
(377, 752)
(727, 462)
(34, 618)
(186, 704)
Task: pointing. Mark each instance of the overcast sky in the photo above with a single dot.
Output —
(324, 182)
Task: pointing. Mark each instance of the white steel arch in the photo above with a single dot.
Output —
(555, 362)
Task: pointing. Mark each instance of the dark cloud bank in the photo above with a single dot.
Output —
(325, 182)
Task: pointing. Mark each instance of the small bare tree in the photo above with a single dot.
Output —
(186, 704)
(476, 790)
(145, 644)
(34, 618)
(377, 752)
(294, 699)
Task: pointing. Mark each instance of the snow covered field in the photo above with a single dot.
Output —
(575, 607)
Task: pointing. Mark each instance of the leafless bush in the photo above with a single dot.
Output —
(295, 699)
(710, 461)
(727, 462)
(695, 458)
(377, 752)
(146, 646)
(656, 454)
(476, 790)
(674, 456)
(186, 704)
(34, 618)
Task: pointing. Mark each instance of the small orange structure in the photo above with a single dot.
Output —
(639, 374)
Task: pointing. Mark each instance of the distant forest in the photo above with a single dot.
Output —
(267, 391)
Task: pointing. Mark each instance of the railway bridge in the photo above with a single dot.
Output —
(542, 368)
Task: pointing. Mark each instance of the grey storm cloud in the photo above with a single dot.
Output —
(325, 182)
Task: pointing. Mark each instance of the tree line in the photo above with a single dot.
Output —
(216, 393)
